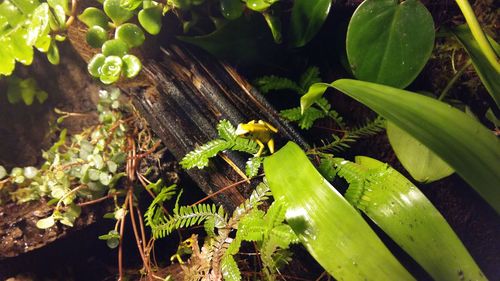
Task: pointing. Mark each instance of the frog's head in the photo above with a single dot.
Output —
(244, 129)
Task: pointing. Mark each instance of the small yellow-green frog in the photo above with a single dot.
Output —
(185, 248)
(259, 131)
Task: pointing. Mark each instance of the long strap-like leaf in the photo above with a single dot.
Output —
(409, 218)
(467, 146)
(328, 226)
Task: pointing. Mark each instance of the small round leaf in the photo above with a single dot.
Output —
(96, 36)
(131, 34)
(150, 19)
(389, 42)
(93, 16)
(231, 9)
(116, 12)
(95, 64)
(53, 53)
(132, 66)
(45, 223)
(114, 47)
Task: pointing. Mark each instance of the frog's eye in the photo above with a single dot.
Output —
(240, 130)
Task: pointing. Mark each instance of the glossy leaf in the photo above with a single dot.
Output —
(53, 53)
(244, 40)
(39, 25)
(231, 9)
(8, 62)
(260, 5)
(45, 223)
(409, 218)
(486, 70)
(463, 143)
(21, 51)
(130, 4)
(150, 19)
(332, 231)
(114, 47)
(422, 164)
(93, 16)
(131, 34)
(111, 69)
(96, 36)
(307, 18)
(389, 42)
(95, 64)
(131, 66)
(116, 12)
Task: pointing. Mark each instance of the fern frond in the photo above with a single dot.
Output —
(199, 157)
(309, 77)
(245, 145)
(370, 128)
(327, 167)
(187, 216)
(226, 130)
(230, 270)
(337, 143)
(275, 214)
(355, 176)
(272, 83)
(259, 195)
(253, 165)
(335, 116)
(306, 120)
(154, 214)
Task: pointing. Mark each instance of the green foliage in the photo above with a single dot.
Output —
(228, 140)
(463, 143)
(389, 42)
(85, 167)
(115, 61)
(307, 19)
(413, 222)
(326, 223)
(25, 90)
(25, 25)
(274, 83)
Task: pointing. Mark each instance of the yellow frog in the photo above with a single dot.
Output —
(259, 131)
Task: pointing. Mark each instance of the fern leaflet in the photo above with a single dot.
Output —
(273, 83)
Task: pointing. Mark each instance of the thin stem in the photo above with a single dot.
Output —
(478, 33)
(454, 79)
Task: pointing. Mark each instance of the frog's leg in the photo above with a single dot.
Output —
(270, 144)
(261, 145)
(176, 257)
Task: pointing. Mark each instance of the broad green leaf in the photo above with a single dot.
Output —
(39, 26)
(307, 18)
(410, 219)
(93, 16)
(332, 231)
(422, 164)
(26, 6)
(131, 34)
(114, 47)
(244, 40)
(463, 143)
(131, 66)
(96, 36)
(486, 71)
(20, 49)
(150, 19)
(130, 4)
(115, 12)
(389, 42)
(231, 9)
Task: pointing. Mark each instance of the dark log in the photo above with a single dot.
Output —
(190, 94)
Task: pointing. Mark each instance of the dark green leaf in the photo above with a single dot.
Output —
(95, 64)
(131, 66)
(231, 9)
(96, 36)
(487, 72)
(389, 42)
(307, 18)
